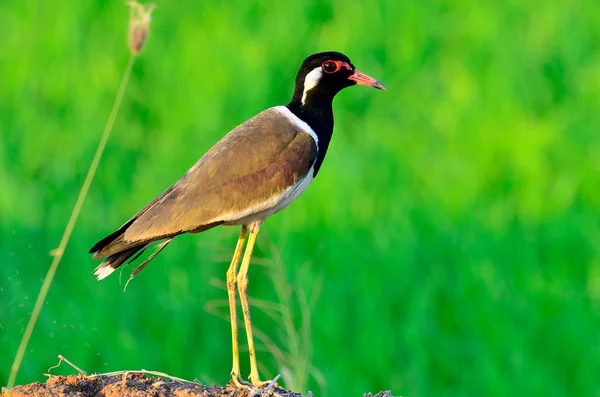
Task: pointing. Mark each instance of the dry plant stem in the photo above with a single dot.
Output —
(62, 358)
(143, 371)
(115, 373)
(58, 253)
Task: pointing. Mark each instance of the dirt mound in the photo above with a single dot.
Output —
(130, 385)
(136, 384)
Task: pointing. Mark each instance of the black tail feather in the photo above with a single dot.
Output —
(111, 237)
(113, 262)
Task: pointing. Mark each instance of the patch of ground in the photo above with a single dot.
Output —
(135, 384)
(129, 385)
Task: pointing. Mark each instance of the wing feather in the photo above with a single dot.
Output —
(252, 164)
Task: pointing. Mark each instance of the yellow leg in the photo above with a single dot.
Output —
(231, 278)
(242, 282)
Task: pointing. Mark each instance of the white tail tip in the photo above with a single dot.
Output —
(102, 272)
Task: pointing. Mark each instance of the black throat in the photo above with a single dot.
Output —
(317, 112)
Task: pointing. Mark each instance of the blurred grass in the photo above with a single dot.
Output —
(454, 224)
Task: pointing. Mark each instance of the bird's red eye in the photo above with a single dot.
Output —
(330, 67)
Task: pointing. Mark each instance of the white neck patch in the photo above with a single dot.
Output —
(311, 80)
(299, 123)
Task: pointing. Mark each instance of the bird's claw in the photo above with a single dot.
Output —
(238, 382)
(256, 387)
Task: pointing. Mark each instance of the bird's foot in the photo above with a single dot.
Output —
(256, 386)
(238, 382)
(261, 387)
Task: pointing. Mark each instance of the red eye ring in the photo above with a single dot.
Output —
(331, 67)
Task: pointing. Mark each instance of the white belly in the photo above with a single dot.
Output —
(275, 204)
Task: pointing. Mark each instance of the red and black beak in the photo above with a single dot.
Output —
(363, 79)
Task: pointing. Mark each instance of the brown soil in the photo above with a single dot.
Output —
(135, 385)
(128, 385)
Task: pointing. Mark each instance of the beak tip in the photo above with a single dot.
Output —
(380, 86)
(363, 79)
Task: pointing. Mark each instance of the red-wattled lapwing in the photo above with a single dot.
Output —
(257, 169)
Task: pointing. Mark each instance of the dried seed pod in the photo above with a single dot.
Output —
(140, 16)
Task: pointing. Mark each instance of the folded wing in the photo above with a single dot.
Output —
(245, 173)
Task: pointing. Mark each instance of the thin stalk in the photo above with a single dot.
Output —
(58, 253)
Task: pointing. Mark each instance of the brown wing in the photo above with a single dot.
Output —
(251, 165)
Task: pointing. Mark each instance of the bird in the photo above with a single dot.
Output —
(254, 171)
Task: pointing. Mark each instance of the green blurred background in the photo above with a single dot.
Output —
(449, 247)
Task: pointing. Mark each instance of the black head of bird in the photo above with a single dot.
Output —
(323, 75)
(254, 171)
